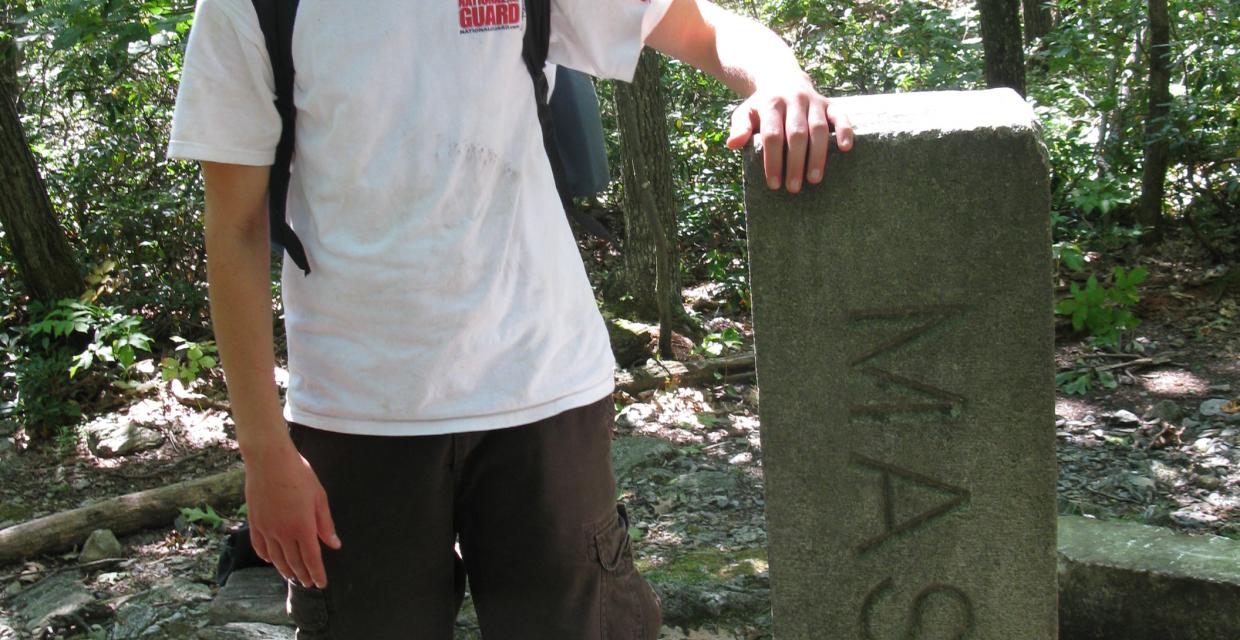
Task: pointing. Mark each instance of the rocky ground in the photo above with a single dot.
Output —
(1160, 447)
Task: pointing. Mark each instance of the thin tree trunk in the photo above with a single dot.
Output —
(45, 261)
(1001, 43)
(9, 13)
(1157, 147)
(651, 256)
(1038, 20)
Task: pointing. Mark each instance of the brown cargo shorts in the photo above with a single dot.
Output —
(542, 540)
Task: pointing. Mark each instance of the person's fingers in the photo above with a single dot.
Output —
(276, 553)
(843, 127)
(259, 542)
(324, 524)
(796, 133)
(772, 117)
(295, 555)
(312, 562)
(744, 122)
(819, 141)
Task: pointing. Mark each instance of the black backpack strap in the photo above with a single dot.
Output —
(534, 52)
(276, 18)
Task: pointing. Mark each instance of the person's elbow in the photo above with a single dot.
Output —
(236, 200)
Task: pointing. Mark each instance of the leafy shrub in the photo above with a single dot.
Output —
(191, 360)
(1104, 311)
(716, 344)
(116, 337)
(49, 356)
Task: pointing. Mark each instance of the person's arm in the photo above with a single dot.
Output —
(780, 100)
(287, 506)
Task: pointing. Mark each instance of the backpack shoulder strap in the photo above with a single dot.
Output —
(534, 51)
(276, 18)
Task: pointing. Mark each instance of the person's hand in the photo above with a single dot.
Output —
(288, 514)
(790, 112)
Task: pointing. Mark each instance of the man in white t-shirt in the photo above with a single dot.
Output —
(450, 374)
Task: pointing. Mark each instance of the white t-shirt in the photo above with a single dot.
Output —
(446, 292)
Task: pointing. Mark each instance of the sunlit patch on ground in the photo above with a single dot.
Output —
(1076, 408)
(1174, 382)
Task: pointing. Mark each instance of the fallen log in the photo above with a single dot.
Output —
(123, 514)
(660, 374)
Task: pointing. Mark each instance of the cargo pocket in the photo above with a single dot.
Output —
(629, 607)
(308, 609)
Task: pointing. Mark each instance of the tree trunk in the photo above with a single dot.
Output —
(45, 261)
(651, 256)
(1157, 156)
(9, 13)
(1001, 43)
(1038, 20)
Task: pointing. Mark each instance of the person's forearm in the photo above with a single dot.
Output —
(737, 51)
(239, 276)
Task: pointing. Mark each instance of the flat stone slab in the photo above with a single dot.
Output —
(247, 631)
(903, 314)
(61, 595)
(1125, 581)
(251, 595)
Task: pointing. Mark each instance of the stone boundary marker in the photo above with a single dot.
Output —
(904, 349)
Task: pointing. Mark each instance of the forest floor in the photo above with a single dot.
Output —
(1161, 447)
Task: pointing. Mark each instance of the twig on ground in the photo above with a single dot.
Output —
(1113, 496)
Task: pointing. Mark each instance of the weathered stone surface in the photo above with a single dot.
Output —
(246, 631)
(111, 439)
(630, 454)
(251, 595)
(1124, 581)
(904, 338)
(1213, 407)
(61, 595)
(101, 544)
(707, 483)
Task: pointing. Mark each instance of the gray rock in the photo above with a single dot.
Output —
(251, 595)
(1167, 410)
(631, 454)
(635, 415)
(1213, 407)
(1193, 519)
(158, 610)
(108, 439)
(1126, 417)
(101, 544)
(1127, 581)
(61, 595)
(246, 631)
(707, 483)
(905, 340)
(690, 605)
(133, 619)
(7, 632)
